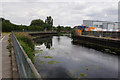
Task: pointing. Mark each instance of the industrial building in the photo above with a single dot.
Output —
(103, 25)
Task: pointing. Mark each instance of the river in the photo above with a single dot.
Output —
(58, 57)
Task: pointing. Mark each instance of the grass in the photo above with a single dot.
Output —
(29, 51)
(27, 43)
(6, 33)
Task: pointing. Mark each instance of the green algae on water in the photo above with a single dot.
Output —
(42, 61)
(53, 62)
(47, 57)
(88, 69)
(36, 56)
(83, 75)
(66, 53)
(96, 66)
(51, 48)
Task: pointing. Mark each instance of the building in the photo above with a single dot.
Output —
(104, 25)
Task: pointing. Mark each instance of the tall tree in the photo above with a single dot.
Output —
(37, 25)
(37, 22)
(49, 22)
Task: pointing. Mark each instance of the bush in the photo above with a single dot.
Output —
(9, 47)
(26, 42)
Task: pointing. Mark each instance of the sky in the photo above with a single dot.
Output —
(63, 12)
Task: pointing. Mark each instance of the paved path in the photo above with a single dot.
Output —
(0, 59)
(6, 60)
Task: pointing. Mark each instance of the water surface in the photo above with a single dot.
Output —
(57, 57)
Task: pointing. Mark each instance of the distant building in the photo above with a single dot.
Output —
(104, 25)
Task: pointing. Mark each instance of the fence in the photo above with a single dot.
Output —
(26, 68)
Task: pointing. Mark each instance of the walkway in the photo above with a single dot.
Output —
(6, 60)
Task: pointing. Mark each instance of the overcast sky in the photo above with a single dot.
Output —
(63, 12)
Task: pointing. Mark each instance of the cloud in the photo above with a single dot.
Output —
(63, 13)
(59, 1)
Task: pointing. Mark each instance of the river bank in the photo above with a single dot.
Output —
(101, 44)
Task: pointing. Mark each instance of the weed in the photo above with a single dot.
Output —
(27, 43)
(9, 47)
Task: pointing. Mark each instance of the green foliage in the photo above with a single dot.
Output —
(54, 28)
(40, 25)
(26, 42)
(7, 26)
(53, 62)
(47, 56)
(83, 75)
(37, 22)
(9, 47)
(28, 49)
(49, 22)
(59, 34)
(35, 28)
(62, 28)
(35, 25)
(9, 40)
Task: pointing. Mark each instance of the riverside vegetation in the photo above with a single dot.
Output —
(26, 42)
(9, 47)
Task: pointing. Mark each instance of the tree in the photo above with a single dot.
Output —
(68, 28)
(37, 22)
(49, 22)
(7, 26)
(37, 25)
(60, 28)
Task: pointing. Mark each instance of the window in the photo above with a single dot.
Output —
(95, 25)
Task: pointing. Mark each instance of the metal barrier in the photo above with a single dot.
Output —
(25, 66)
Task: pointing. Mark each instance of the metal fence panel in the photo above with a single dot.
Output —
(25, 67)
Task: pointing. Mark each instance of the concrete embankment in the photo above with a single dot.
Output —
(47, 33)
(102, 44)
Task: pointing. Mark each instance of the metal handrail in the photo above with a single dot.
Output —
(19, 61)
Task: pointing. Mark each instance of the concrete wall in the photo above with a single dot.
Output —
(99, 24)
(98, 43)
(110, 26)
(87, 23)
(102, 34)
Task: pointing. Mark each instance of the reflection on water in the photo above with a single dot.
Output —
(47, 42)
(57, 57)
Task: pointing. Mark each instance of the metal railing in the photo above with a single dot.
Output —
(26, 68)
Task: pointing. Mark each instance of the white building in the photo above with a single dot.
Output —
(104, 25)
